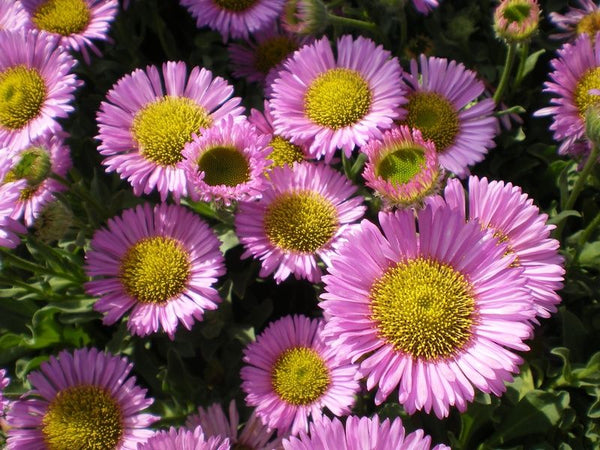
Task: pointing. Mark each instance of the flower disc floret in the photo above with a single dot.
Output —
(583, 98)
(224, 166)
(235, 5)
(401, 164)
(271, 52)
(22, 95)
(64, 17)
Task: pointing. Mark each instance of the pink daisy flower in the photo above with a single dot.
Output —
(339, 103)
(35, 164)
(145, 126)
(75, 22)
(12, 15)
(511, 216)
(283, 152)
(577, 21)
(434, 314)
(160, 263)
(9, 198)
(359, 433)
(576, 73)
(402, 167)
(183, 439)
(84, 399)
(290, 375)
(214, 422)
(34, 70)
(303, 215)
(441, 105)
(226, 163)
(425, 6)
(235, 18)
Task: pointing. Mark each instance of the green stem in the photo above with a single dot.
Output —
(585, 236)
(355, 23)
(508, 63)
(587, 168)
(523, 54)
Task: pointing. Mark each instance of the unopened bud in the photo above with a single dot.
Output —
(53, 222)
(516, 20)
(307, 17)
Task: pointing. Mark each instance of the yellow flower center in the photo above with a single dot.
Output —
(22, 94)
(583, 99)
(64, 17)
(155, 269)
(224, 166)
(301, 221)
(83, 417)
(300, 376)
(435, 117)
(162, 128)
(272, 51)
(423, 308)
(338, 98)
(235, 5)
(401, 164)
(284, 152)
(589, 24)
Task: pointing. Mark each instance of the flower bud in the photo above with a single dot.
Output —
(516, 20)
(307, 17)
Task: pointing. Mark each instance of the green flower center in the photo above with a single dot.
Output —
(517, 11)
(162, 128)
(83, 417)
(435, 117)
(64, 17)
(583, 99)
(235, 5)
(272, 52)
(423, 308)
(301, 221)
(300, 376)
(155, 269)
(34, 166)
(337, 98)
(224, 166)
(284, 152)
(401, 164)
(589, 24)
(22, 94)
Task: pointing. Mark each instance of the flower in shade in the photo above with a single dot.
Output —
(84, 399)
(303, 215)
(290, 375)
(516, 20)
(510, 215)
(36, 163)
(145, 126)
(259, 59)
(227, 162)
(75, 22)
(441, 104)
(161, 263)
(307, 17)
(9, 198)
(12, 15)
(576, 73)
(577, 21)
(359, 433)
(402, 167)
(4, 381)
(183, 439)
(35, 86)
(235, 18)
(329, 103)
(214, 422)
(433, 314)
(282, 150)
(425, 6)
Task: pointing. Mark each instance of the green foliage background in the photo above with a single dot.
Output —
(554, 403)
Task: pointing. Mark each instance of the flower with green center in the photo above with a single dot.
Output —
(402, 168)
(290, 375)
(227, 162)
(36, 87)
(75, 22)
(163, 269)
(574, 82)
(327, 104)
(434, 313)
(577, 21)
(302, 216)
(443, 106)
(83, 399)
(143, 135)
(516, 20)
(235, 18)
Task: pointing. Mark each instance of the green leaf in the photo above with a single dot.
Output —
(590, 255)
(531, 61)
(555, 220)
